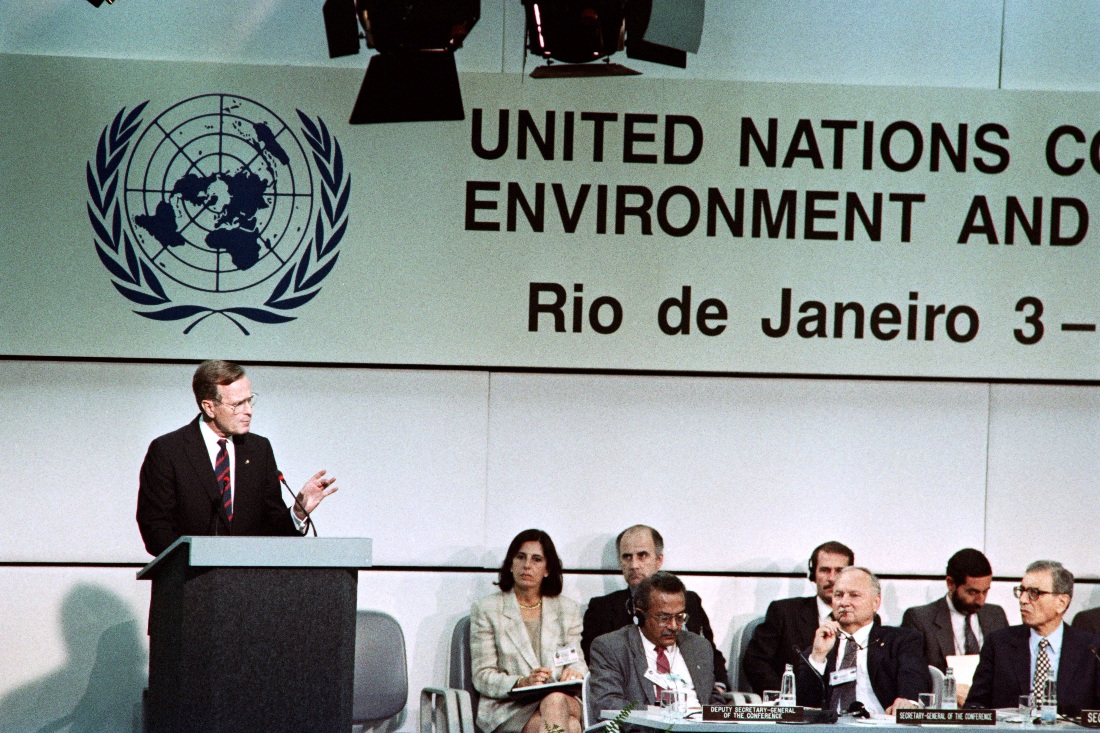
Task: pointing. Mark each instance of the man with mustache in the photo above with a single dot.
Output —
(641, 551)
(790, 623)
(633, 664)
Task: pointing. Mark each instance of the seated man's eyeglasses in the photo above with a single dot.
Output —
(664, 619)
(1033, 594)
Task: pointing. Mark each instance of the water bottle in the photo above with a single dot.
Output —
(786, 693)
(1048, 711)
(949, 699)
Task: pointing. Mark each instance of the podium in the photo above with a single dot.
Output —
(253, 634)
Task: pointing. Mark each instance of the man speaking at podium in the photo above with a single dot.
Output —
(214, 477)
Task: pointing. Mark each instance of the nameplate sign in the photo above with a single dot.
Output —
(953, 717)
(753, 713)
(1090, 718)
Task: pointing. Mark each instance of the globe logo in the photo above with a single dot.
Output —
(219, 196)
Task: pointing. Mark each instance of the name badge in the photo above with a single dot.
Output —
(661, 680)
(566, 655)
(843, 676)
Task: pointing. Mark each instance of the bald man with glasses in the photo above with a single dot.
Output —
(214, 476)
(1020, 659)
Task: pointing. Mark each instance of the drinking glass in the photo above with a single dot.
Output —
(928, 700)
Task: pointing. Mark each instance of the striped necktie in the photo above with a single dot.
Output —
(221, 472)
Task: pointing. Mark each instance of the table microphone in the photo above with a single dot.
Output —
(309, 519)
(816, 716)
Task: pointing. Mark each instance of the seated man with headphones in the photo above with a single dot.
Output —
(791, 623)
(673, 657)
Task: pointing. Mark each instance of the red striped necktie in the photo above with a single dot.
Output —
(221, 471)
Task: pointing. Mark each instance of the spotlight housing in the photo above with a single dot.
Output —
(413, 77)
(576, 32)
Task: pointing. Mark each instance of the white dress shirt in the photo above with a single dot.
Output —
(1053, 654)
(677, 666)
(864, 692)
(824, 611)
(210, 438)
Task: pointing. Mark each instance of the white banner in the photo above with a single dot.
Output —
(167, 210)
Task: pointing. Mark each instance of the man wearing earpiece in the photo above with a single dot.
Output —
(854, 658)
(636, 663)
(790, 623)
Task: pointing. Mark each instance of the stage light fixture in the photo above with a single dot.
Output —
(577, 32)
(413, 77)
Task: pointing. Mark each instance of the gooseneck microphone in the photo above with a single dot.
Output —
(814, 716)
(309, 519)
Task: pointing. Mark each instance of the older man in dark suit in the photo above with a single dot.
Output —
(857, 659)
(213, 476)
(790, 623)
(1020, 659)
(633, 664)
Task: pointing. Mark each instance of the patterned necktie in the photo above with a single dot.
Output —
(841, 697)
(221, 472)
(1042, 672)
(971, 638)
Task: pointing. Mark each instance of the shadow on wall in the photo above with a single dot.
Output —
(99, 686)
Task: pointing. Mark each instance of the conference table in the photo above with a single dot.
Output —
(655, 719)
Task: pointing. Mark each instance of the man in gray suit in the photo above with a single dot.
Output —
(948, 624)
(632, 664)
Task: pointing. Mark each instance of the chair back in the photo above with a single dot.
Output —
(460, 674)
(381, 688)
(937, 682)
(742, 646)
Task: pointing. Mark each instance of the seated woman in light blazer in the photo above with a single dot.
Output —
(527, 634)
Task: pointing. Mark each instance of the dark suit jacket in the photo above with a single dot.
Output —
(618, 667)
(1004, 670)
(933, 621)
(609, 613)
(1088, 621)
(895, 664)
(178, 494)
(788, 623)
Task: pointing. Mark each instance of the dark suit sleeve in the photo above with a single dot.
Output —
(699, 623)
(608, 682)
(156, 505)
(278, 521)
(811, 690)
(981, 690)
(911, 619)
(913, 677)
(596, 623)
(763, 651)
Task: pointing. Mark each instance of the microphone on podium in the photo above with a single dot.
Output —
(309, 519)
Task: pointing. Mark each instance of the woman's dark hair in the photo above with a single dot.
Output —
(551, 584)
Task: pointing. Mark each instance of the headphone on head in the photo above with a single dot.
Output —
(812, 565)
(637, 615)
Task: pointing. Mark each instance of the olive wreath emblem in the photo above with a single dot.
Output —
(137, 280)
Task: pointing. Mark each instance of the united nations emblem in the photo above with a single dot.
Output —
(216, 208)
